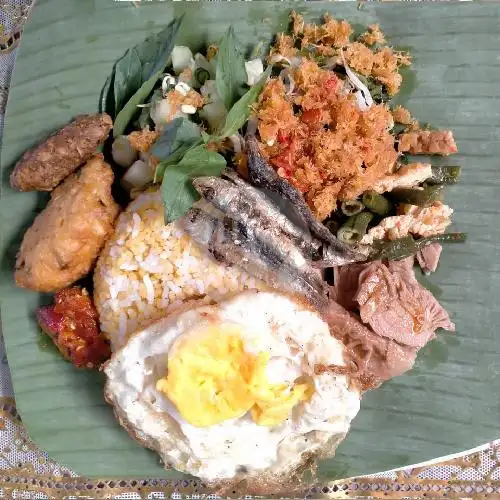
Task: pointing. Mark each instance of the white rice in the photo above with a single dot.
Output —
(148, 269)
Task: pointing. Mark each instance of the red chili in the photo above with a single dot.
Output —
(332, 83)
(282, 161)
(282, 137)
(311, 116)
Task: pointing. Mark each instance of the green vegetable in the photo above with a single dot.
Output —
(444, 174)
(201, 75)
(376, 203)
(241, 110)
(355, 228)
(137, 65)
(377, 90)
(421, 197)
(128, 77)
(177, 190)
(178, 136)
(152, 70)
(352, 207)
(230, 75)
(332, 226)
(404, 247)
(106, 99)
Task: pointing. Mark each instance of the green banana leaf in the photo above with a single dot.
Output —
(450, 401)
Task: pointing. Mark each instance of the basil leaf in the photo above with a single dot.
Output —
(177, 190)
(151, 72)
(136, 66)
(106, 101)
(241, 110)
(174, 135)
(178, 136)
(230, 75)
(130, 109)
(128, 78)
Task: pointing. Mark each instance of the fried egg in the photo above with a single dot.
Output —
(233, 390)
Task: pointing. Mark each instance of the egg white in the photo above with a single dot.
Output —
(295, 337)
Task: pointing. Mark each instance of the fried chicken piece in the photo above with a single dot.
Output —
(434, 142)
(45, 166)
(73, 325)
(66, 237)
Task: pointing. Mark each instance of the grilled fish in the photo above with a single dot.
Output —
(234, 243)
(262, 175)
(255, 211)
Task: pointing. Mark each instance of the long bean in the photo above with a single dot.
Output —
(332, 225)
(406, 246)
(355, 228)
(352, 207)
(421, 197)
(376, 203)
(444, 174)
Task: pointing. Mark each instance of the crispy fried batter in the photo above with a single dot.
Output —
(283, 46)
(382, 65)
(402, 115)
(297, 23)
(73, 325)
(434, 142)
(142, 140)
(373, 36)
(275, 112)
(331, 150)
(331, 33)
(45, 166)
(66, 237)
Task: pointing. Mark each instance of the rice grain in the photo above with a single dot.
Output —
(148, 269)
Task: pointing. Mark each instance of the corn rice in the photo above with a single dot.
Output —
(148, 269)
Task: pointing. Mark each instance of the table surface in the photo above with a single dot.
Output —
(27, 470)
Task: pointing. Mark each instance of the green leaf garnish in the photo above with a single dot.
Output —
(241, 110)
(177, 138)
(128, 77)
(177, 190)
(230, 75)
(135, 75)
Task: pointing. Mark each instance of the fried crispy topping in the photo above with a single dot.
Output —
(330, 150)
(142, 140)
(402, 115)
(373, 36)
(434, 142)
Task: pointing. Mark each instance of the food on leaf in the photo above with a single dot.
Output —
(66, 237)
(73, 325)
(45, 166)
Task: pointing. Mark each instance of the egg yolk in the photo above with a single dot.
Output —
(211, 379)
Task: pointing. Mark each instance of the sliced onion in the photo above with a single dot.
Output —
(138, 175)
(182, 58)
(252, 125)
(290, 84)
(168, 83)
(254, 69)
(238, 143)
(122, 152)
(367, 97)
(209, 90)
(214, 113)
(289, 61)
